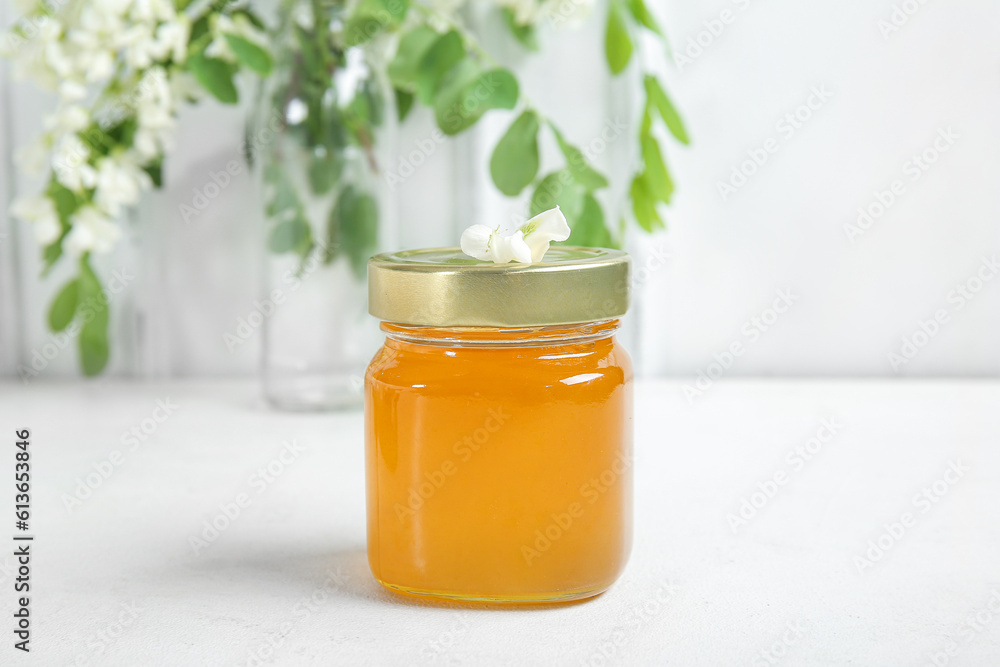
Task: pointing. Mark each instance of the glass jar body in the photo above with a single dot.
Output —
(499, 462)
(322, 134)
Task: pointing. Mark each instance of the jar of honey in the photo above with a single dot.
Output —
(498, 426)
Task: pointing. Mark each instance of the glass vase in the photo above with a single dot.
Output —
(322, 129)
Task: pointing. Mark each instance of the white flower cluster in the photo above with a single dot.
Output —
(112, 46)
(110, 62)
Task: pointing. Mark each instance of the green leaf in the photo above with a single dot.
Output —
(525, 34)
(63, 307)
(121, 133)
(324, 172)
(514, 163)
(310, 53)
(66, 201)
(372, 17)
(357, 216)
(644, 205)
(617, 43)
(284, 197)
(412, 48)
(583, 173)
(655, 170)
(252, 55)
(404, 102)
(93, 306)
(290, 235)
(155, 171)
(460, 105)
(559, 189)
(642, 14)
(250, 16)
(656, 96)
(52, 253)
(590, 229)
(215, 75)
(446, 52)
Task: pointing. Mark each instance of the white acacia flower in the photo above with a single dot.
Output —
(172, 40)
(91, 231)
(112, 7)
(58, 60)
(71, 92)
(139, 45)
(67, 120)
(96, 66)
(152, 11)
(69, 161)
(155, 113)
(41, 213)
(120, 181)
(526, 243)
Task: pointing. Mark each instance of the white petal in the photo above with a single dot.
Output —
(543, 229)
(506, 248)
(47, 230)
(476, 242)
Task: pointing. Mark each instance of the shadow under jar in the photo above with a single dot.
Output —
(498, 426)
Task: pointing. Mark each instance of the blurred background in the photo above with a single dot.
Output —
(838, 198)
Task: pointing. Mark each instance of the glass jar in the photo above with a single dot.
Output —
(322, 136)
(498, 420)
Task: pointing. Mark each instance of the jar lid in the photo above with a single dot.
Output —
(444, 287)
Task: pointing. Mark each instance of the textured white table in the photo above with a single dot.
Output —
(116, 580)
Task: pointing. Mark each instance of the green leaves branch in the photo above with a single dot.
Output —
(651, 184)
(326, 133)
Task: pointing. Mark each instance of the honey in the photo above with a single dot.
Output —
(499, 460)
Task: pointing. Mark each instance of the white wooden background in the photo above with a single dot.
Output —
(853, 302)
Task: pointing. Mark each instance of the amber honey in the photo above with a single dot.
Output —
(499, 462)
(498, 426)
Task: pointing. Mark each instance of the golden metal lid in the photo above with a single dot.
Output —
(444, 287)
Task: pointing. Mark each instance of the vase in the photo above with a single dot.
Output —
(322, 129)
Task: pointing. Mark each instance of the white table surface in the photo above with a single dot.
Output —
(117, 582)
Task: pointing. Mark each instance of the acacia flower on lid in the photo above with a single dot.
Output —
(526, 243)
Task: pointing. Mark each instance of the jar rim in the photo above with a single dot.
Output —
(444, 287)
